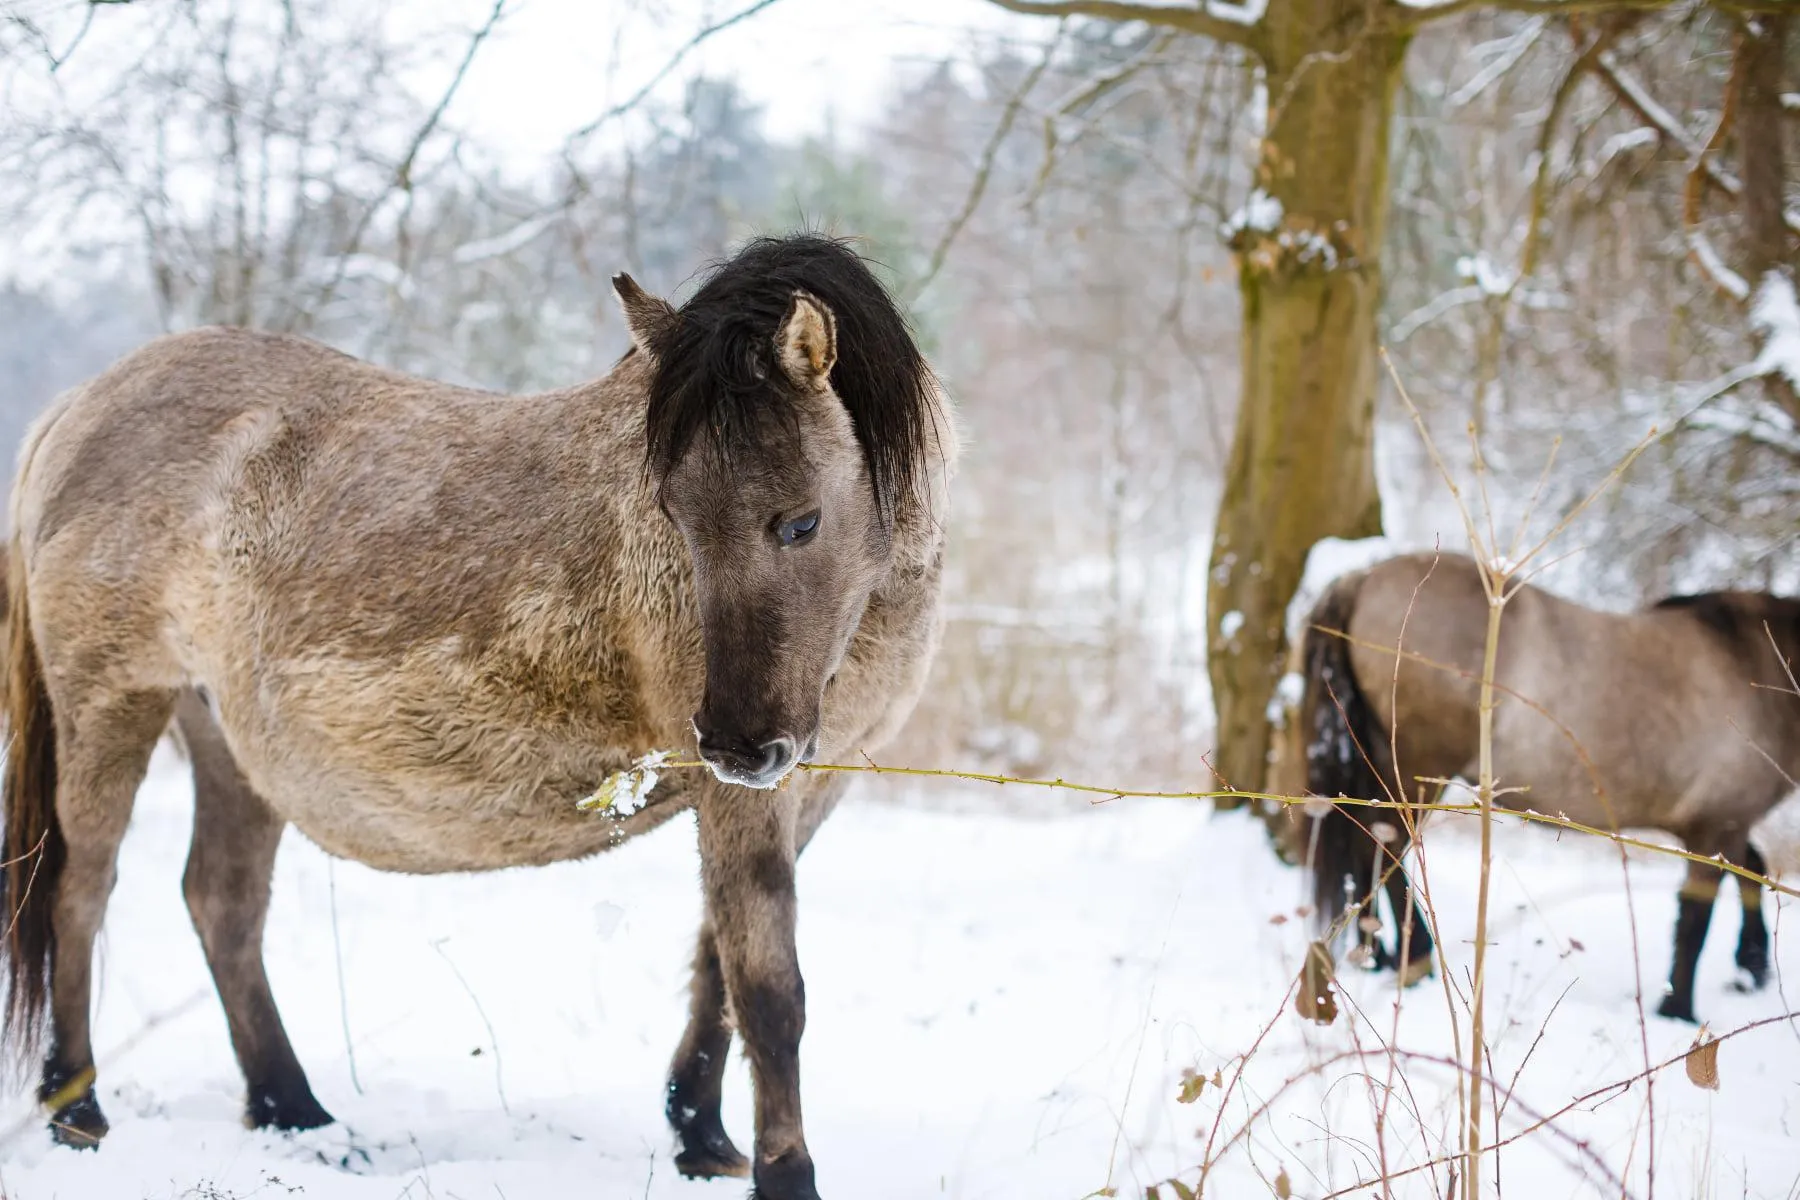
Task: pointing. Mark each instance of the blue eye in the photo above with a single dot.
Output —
(797, 530)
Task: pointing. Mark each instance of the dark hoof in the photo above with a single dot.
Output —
(707, 1153)
(786, 1178)
(79, 1124)
(1751, 977)
(267, 1110)
(706, 1150)
(1417, 971)
(1677, 1010)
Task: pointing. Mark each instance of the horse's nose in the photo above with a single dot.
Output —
(750, 762)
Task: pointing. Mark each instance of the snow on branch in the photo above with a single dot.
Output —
(1237, 22)
(1776, 318)
(1444, 8)
(1639, 100)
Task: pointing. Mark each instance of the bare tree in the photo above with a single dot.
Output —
(1309, 243)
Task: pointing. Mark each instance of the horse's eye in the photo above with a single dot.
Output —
(792, 533)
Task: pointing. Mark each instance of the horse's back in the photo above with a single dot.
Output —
(1613, 718)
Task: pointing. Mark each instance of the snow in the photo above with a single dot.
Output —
(1290, 690)
(1487, 275)
(1714, 266)
(1776, 318)
(624, 792)
(1261, 212)
(1249, 12)
(1230, 623)
(999, 1007)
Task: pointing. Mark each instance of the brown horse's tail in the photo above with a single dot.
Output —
(1342, 733)
(31, 859)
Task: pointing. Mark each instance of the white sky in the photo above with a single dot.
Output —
(548, 68)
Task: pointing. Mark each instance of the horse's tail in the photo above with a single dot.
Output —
(31, 850)
(1342, 733)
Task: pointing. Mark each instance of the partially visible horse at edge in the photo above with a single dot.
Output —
(422, 623)
(1680, 717)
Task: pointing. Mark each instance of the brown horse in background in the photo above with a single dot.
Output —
(425, 624)
(1681, 717)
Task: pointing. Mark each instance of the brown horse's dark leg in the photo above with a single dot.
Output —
(1692, 917)
(696, 1078)
(226, 885)
(100, 764)
(747, 850)
(1412, 937)
(1753, 937)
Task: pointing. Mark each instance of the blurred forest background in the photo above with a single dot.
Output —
(1566, 236)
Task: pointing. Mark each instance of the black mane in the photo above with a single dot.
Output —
(1739, 615)
(716, 373)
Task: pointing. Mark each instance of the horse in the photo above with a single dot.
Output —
(1681, 717)
(436, 628)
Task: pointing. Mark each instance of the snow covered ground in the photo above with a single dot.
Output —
(1000, 1006)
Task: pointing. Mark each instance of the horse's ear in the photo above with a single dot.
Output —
(807, 341)
(648, 317)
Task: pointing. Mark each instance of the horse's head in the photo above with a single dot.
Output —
(784, 425)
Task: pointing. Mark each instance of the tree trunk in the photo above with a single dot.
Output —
(1761, 141)
(1302, 462)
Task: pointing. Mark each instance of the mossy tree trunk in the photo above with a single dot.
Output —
(1302, 462)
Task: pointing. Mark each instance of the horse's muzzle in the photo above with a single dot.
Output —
(757, 764)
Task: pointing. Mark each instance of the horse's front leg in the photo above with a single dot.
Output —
(747, 852)
(697, 1076)
(696, 1079)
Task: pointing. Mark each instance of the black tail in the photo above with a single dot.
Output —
(31, 850)
(1344, 735)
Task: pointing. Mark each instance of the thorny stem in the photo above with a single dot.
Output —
(1496, 596)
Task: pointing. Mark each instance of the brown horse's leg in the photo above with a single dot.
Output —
(1692, 917)
(747, 851)
(1412, 938)
(696, 1078)
(226, 885)
(103, 752)
(1753, 937)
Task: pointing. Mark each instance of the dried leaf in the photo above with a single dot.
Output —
(1575, 945)
(1283, 1189)
(1191, 1086)
(1182, 1190)
(1278, 919)
(1218, 1079)
(1153, 1193)
(1369, 924)
(1703, 1061)
(1315, 1000)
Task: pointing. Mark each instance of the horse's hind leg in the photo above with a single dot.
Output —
(1753, 937)
(1692, 917)
(230, 862)
(1412, 937)
(103, 752)
(696, 1078)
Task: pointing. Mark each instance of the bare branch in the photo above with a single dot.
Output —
(1634, 96)
(675, 60)
(1431, 10)
(402, 181)
(1235, 24)
(978, 187)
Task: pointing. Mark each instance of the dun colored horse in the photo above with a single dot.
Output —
(1681, 717)
(424, 623)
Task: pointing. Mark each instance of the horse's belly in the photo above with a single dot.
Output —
(451, 794)
(425, 838)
